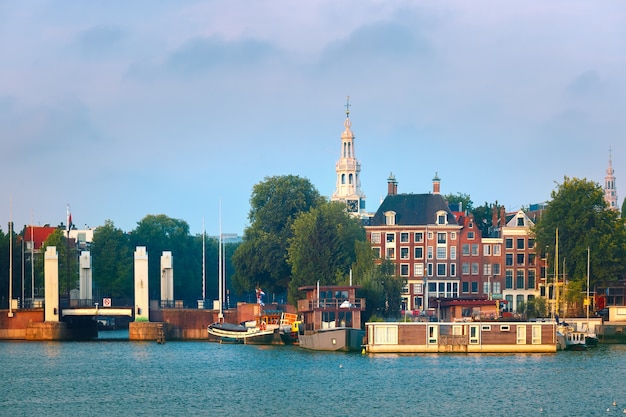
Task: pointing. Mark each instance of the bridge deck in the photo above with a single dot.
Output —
(93, 311)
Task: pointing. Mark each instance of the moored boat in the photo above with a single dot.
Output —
(331, 318)
(288, 328)
(575, 340)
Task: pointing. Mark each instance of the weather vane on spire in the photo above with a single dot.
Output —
(347, 106)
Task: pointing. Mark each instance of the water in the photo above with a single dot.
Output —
(121, 378)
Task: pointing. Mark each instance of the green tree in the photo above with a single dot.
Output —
(322, 247)
(464, 199)
(113, 262)
(262, 257)
(68, 265)
(160, 233)
(583, 220)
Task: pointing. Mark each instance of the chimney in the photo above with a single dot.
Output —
(502, 217)
(392, 185)
(436, 184)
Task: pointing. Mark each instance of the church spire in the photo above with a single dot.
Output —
(348, 170)
(610, 191)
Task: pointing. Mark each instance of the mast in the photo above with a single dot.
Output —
(587, 301)
(32, 259)
(556, 274)
(203, 264)
(11, 258)
(220, 275)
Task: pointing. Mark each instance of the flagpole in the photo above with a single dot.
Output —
(11, 257)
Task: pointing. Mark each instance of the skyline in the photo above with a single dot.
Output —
(124, 110)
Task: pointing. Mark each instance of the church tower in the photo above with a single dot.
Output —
(348, 170)
(610, 192)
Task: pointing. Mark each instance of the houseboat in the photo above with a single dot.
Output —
(331, 318)
(461, 337)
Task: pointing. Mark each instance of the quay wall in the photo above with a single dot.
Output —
(14, 328)
(189, 324)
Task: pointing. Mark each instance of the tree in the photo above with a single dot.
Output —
(322, 247)
(579, 212)
(261, 260)
(466, 202)
(160, 233)
(68, 265)
(113, 262)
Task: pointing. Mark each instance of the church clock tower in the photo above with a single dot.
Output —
(610, 191)
(348, 170)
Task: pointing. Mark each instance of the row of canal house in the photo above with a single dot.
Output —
(446, 261)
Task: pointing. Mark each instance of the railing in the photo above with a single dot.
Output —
(331, 304)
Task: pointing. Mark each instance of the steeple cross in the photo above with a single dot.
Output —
(347, 105)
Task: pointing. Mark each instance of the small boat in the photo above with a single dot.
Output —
(288, 328)
(240, 333)
(575, 340)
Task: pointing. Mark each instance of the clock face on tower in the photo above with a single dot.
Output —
(353, 206)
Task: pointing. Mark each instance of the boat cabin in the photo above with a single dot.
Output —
(331, 306)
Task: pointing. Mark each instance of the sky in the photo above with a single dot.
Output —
(123, 109)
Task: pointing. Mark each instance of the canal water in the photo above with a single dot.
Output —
(116, 377)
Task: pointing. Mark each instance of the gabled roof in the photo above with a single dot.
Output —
(413, 210)
(39, 234)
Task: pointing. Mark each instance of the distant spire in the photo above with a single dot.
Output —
(347, 106)
(610, 190)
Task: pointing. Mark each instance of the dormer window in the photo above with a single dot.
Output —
(442, 218)
(520, 221)
(390, 218)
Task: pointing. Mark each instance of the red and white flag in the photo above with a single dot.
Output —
(69, 219)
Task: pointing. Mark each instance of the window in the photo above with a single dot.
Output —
(474, 335)
(536, 334)
(465, 249)
(531, 243)
(441, 238)
(496, 287)
(470, 235)
(508, 260)
(453, 270)
(520, 259)
(496, 250)
(418, 270)
(391, 237)
(430, 252)
(520, 279)
(496, 269)
(391, 253)
(486, 269)
(441, 219)
(418, 237)
(452, 235)
(531, 279)
(508, 279)
(505, 328)
(474, 286)
(474, 249)
(418, 288)
(520, 221)
(441, 252)
(430, 270)
(521, 334)
(508, 243)
(386, 335)
(404, 270)
(430, 235)
(453, 252)
(486, 287)
(465, 286)
(390, 218)
(475, 268)
(376, 252)
(487, 250)
(404, 237)
(520, 244)
(531, 259)
(418, 253)
(404, 253)
(441, 270)
(465, 268)
(376, 237)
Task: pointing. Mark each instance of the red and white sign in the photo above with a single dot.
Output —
(106, 302)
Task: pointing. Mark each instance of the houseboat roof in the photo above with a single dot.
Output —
(329, 287)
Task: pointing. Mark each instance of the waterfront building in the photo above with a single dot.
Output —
(419, 233)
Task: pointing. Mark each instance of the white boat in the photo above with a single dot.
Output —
(575, 340)
(591, 338)
(237, 333)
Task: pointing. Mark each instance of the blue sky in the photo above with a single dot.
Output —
(122, 109)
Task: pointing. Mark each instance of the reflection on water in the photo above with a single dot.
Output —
(116, 377)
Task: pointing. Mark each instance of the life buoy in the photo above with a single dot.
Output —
(262, 326)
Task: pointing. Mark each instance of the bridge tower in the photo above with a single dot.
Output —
(167, 280)
(142, 302)
(51, 276)
(85, 282)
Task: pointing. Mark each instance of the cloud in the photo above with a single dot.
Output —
(585, 85)
(100, 40)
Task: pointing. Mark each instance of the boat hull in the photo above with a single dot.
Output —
(228, 333)
(337, 339)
